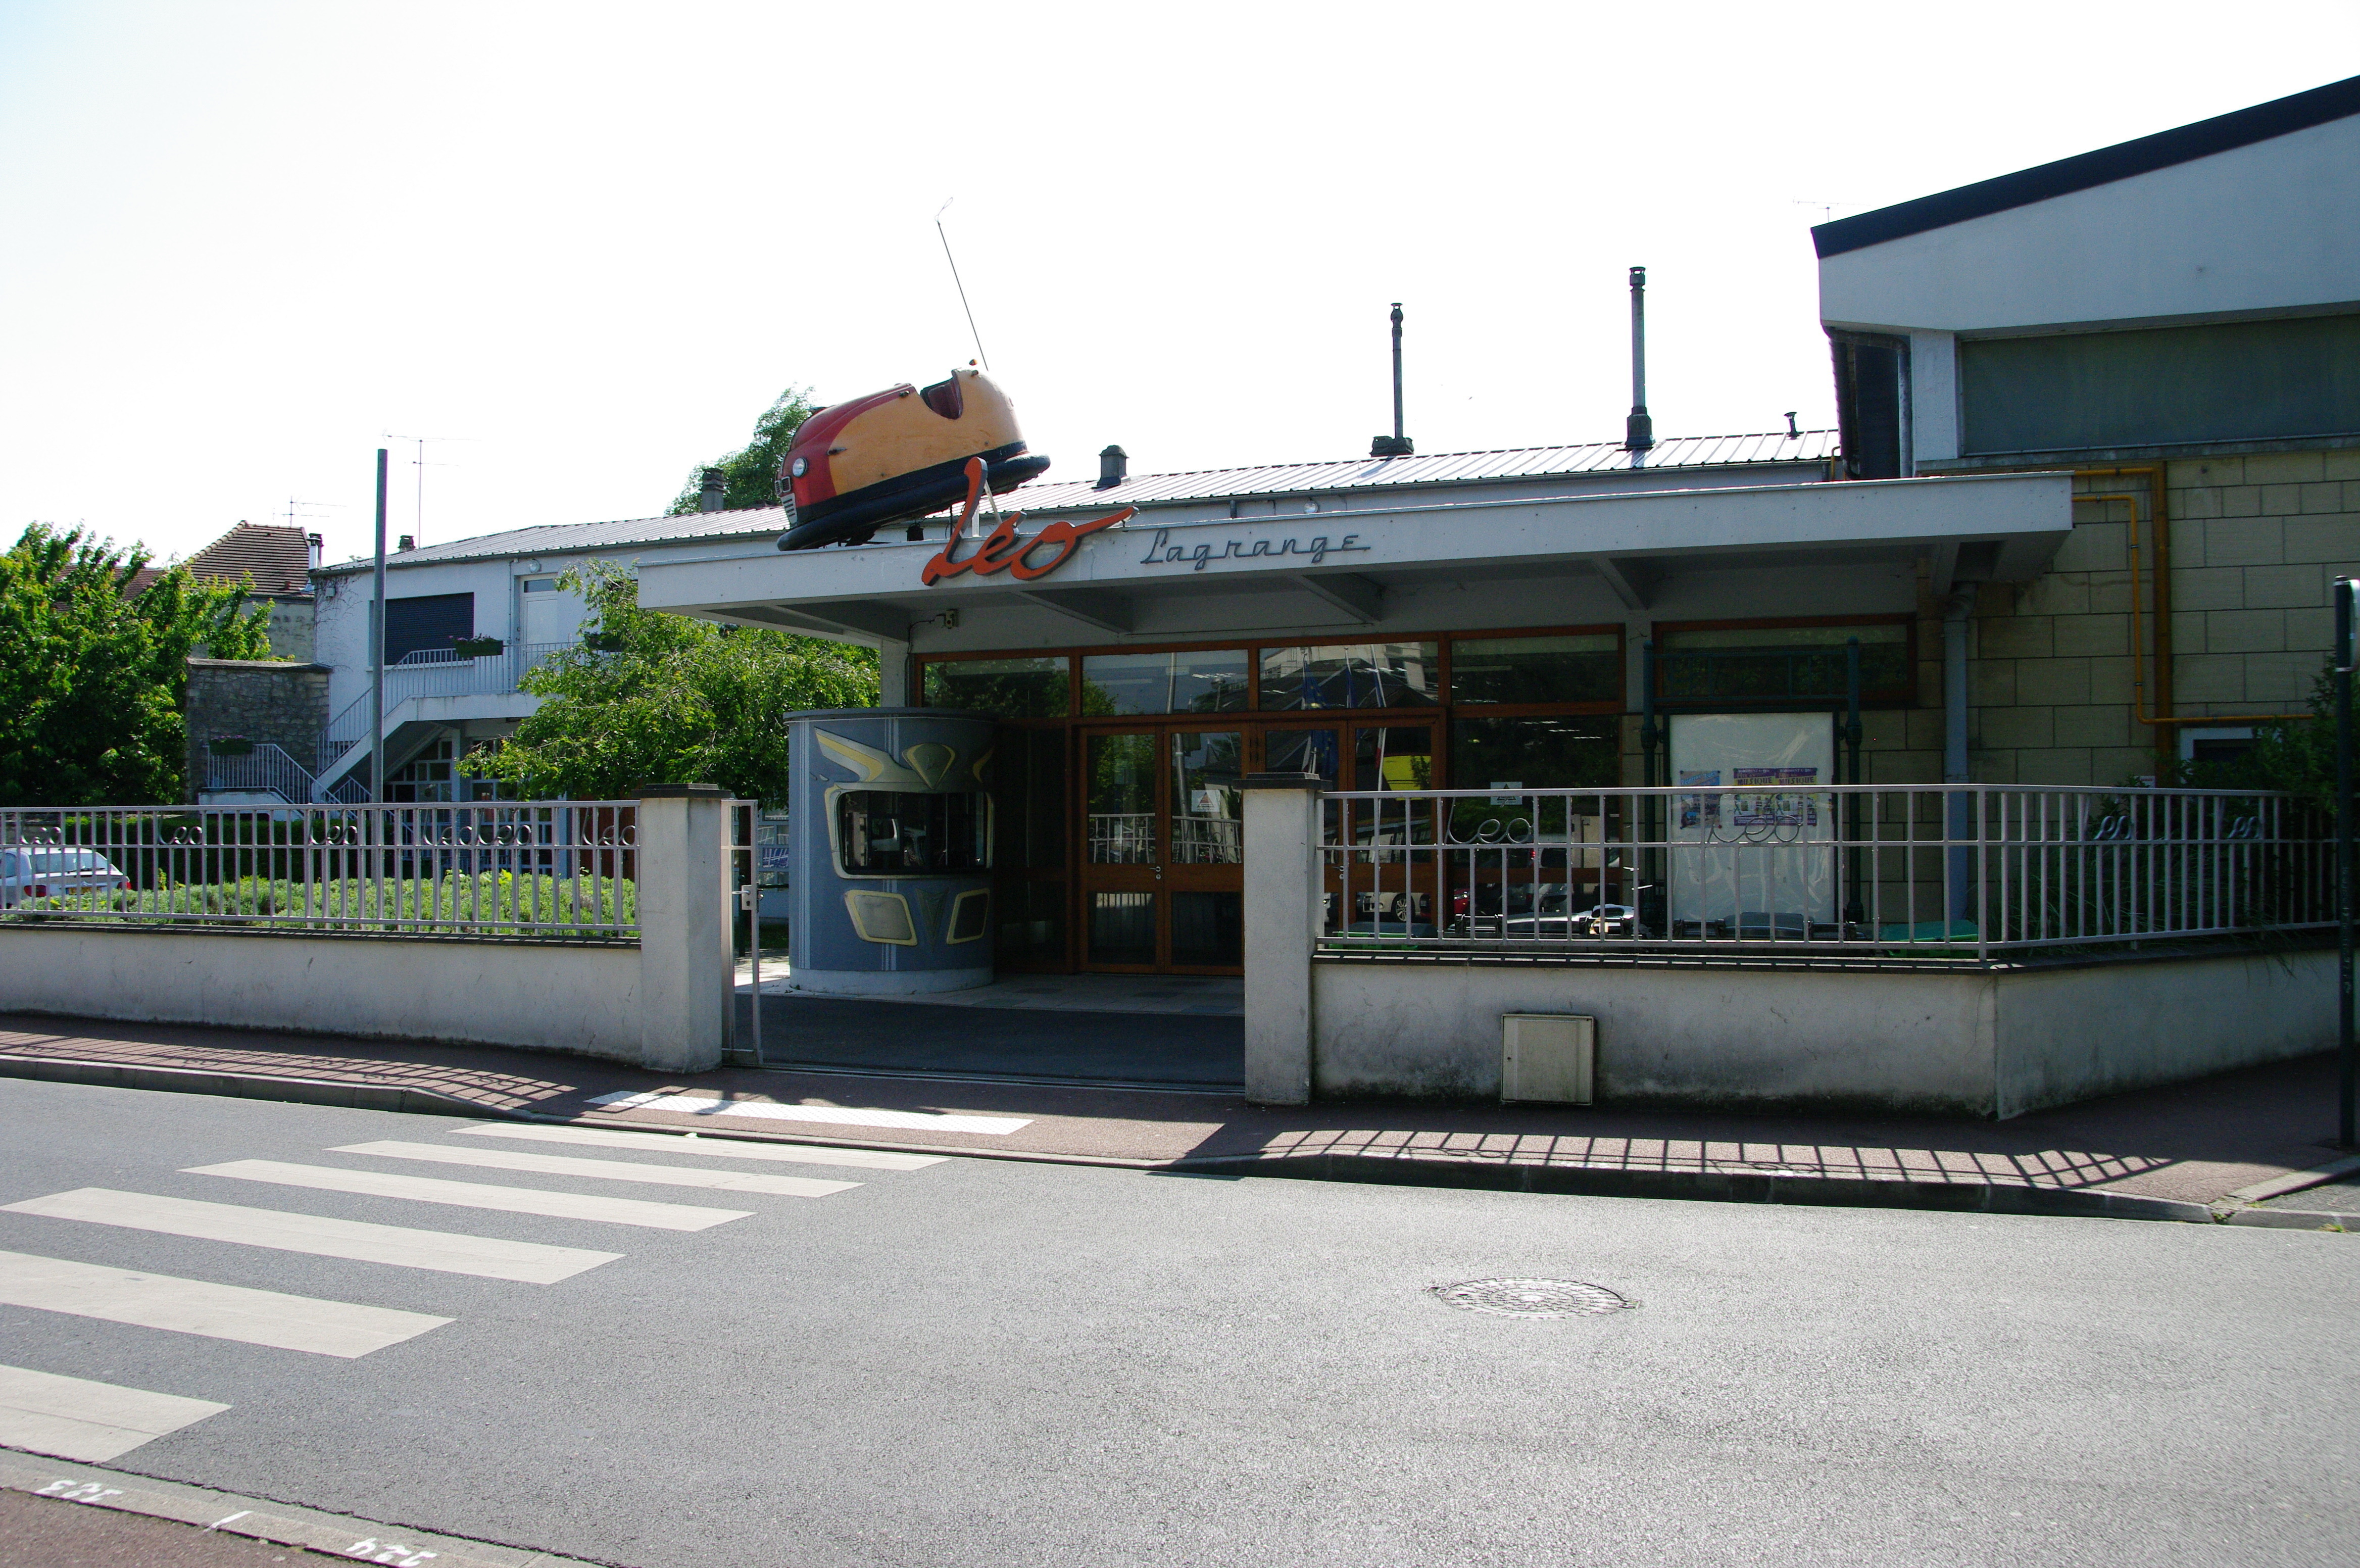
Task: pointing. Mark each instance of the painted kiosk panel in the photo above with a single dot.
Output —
(891, 834)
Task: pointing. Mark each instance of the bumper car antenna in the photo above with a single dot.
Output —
(946, 238)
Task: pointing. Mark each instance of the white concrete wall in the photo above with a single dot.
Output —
(1988, 1044)
(2271, 226)
(532, 996)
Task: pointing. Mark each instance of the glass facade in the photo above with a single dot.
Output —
(1364, 675)
(1748, 664)
(1011, 688)
(1581, 667)
(1203, 681)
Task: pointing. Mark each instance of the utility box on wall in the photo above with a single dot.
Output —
(1547, 1057)
(890, 838)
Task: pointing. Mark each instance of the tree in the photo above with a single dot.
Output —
(92, 676)
(647, 698)
(753, 470)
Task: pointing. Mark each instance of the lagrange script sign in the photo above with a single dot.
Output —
(1002, 551)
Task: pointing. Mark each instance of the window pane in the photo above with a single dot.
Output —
(1763, 664)
(1011, 688)
(1205, 808)
(1122, 800)
(1210, 681)
(1209, 928)
(1365, 675)
(1032, 921)
(1123, 927)
(1583, 668)
(1028, 787)
(1300, 751)
(883, 832)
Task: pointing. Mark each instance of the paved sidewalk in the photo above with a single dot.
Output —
(2165, 1153)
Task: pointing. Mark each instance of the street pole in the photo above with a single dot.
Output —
(376, 649)
(2347, 1050)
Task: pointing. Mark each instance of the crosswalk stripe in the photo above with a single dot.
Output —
(73, 1417)
(604, 1169)
(200, 1306)
(486, 1257)
(724, 1149)
(476, 1195)
(823, 1115)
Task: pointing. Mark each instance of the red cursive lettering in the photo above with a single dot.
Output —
(1002, 550)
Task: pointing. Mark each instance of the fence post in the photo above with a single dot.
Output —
(683, 861)
(1285, 899)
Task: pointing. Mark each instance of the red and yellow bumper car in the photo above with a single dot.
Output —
(855, 467)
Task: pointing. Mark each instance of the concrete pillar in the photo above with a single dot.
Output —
(683, 863)
(893, 677)
(1283, 906)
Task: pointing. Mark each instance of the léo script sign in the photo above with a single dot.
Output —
(1002, 550)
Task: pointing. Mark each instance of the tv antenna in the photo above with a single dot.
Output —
(418, 536)
(980, 353)
(294, 511)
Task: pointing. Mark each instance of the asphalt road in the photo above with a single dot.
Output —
(992, 1362)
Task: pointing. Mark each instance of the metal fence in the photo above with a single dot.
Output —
(522, 870)
(1864, 874)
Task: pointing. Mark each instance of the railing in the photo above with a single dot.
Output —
(519, 870)
(267, 769)
(434, 672)
(1876, 874)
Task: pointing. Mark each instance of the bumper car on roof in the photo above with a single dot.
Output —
(903, 452)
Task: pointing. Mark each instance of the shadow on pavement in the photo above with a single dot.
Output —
(1179, 1050)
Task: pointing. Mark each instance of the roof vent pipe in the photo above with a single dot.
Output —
(1638, 430)
(1114, 467)
(315, 546)
(409, 541)
(716, 487)
(1396, 444)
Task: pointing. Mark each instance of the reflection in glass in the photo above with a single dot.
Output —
(1011, 689)
(1205, 681)
(1584, 667)
(1208, 930)
(1300, 751)
(1510, 755)
(1123, 927)
(1122, 800)
(886, 832)
(1764, 663)
(1205, 804)
(1366, 675)
(1393, 756)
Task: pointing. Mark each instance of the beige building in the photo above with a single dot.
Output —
(2174, 322)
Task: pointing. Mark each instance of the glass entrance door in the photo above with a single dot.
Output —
(1162, 865)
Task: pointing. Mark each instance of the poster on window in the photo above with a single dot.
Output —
(1751, 849)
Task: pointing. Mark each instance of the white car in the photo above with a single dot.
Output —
(34, 875)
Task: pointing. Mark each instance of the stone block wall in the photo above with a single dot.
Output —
(285, 704)
(293, 627)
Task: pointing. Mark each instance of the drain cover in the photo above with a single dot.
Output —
(1532, 1298)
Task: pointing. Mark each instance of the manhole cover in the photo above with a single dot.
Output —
(1532, 1298)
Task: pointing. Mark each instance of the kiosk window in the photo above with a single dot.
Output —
(882, 832)
(1011, 688)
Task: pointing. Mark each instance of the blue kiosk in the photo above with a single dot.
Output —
(889, 834)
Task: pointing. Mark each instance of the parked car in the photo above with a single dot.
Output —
(29, 875)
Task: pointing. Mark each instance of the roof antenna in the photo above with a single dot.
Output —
(980, 353)
(1396, 444)
(1638, 430)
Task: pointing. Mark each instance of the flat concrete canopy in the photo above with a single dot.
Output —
(1344, 562)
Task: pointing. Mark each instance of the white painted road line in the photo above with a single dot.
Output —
(825, 1116)
(74, 1418)
(486, 1257)
(605, 1169)
(724, 1149)
(201, 1307)
(476, 1195)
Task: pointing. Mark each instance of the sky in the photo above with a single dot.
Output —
(582, 246)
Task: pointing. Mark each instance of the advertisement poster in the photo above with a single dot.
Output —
(1756, 860)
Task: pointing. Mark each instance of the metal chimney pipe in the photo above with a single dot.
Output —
(1638, 430)
(714, 490)
(1114, 466)
(1397, 444)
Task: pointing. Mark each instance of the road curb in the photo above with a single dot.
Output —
(250, 1086)
(1710, 1186)
(258, 1519)
(1597, 1181)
